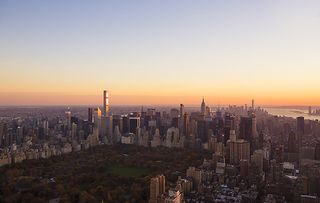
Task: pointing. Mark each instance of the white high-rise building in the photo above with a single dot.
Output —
(105, 103)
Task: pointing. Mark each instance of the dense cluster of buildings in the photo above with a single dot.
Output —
(40, 136)
(315, 112)
(282, 168)
(255, 153)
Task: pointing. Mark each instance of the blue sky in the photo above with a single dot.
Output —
(224, 50)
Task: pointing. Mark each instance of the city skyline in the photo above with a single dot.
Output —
(65, 53)
(165, 101)
(250, 146)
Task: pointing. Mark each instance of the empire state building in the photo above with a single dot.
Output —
(203, 107)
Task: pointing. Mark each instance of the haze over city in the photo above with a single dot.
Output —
(159, 52)
(160, 101)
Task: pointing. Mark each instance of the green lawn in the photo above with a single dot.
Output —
(128, 172)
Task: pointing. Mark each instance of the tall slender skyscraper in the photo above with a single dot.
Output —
(203, 107)
(181, 119)
(90, 115)
(105, 103)
(252, 104)
(68, 114)
(300, 130)
(181, 110)
(185, 124)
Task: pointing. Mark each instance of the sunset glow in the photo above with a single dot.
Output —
(149, 52)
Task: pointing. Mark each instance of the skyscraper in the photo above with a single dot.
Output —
(154, 190)
(181, 110)
(229, 124)
(105, 103)
(134, 123)
(257, 159)
(117, 121)
(239, 149)
(245, 128)
(3, 132)
(203, 107)
(68, 115)
(254, 125)
(181, 119)
(175, 117)
(252, 104)
(125, 124)
(157, 188)
(300, 124)
(90, 115)
(300, 130)
(185, 124)
(292, 143)
(97, 117)
(244, 167)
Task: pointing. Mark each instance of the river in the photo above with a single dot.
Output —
(291, 112)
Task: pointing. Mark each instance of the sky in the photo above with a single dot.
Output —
(159, 52)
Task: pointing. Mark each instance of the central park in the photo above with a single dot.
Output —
(119, 173)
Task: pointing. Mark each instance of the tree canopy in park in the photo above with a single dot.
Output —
(119, 173)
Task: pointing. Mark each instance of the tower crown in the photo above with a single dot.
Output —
(203, 106)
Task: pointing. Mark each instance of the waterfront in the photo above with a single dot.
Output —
(291, 112)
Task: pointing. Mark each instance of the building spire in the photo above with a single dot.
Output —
(203, 106)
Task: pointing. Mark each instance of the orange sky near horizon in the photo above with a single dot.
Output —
(33, 98)
(160, 52)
